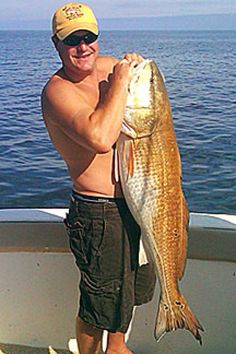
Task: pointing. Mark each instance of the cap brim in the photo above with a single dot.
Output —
(65, 32)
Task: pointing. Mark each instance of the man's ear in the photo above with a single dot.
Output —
(55, 40)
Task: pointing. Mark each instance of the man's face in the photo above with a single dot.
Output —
(79, 51)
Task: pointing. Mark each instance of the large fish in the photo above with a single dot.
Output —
(150, 174)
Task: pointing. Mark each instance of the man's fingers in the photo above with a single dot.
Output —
(124, 60)
(133, 57)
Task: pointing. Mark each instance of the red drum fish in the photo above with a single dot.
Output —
(150, 174)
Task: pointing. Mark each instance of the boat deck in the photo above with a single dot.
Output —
(39, 287)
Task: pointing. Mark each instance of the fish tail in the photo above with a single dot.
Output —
(176, 315)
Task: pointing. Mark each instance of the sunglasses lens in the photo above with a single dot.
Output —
(74, 40)
(90, 38)
(71, 40)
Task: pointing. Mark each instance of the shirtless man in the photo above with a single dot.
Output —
(83, 106)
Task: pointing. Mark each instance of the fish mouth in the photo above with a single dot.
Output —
(136, 73)
(138, 68)
(138, 101)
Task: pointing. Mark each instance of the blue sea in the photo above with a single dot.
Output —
(200, 73)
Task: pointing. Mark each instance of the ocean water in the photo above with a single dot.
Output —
(199, 68)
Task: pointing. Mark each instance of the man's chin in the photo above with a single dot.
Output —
(86, 62)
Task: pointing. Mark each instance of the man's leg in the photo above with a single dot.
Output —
(89, 340)
(116, 344)
(88, 337)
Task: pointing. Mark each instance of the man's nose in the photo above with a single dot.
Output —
(82, 45)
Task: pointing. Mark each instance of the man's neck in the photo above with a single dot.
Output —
(76, 77)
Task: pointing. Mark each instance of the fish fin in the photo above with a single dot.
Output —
(177, 315)
(142, 256)
(182, 246)
(131, 159)
(128, 158)
(116, 164)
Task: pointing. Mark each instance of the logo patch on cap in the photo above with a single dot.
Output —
(72, 11)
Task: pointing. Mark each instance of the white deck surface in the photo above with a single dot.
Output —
(38, 285)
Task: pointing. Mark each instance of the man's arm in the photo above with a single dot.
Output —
(97, 129)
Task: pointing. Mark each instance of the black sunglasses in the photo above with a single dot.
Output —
(73, 40)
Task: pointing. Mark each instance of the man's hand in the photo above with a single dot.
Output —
(122, 72)
(133, 58)
(123, 69)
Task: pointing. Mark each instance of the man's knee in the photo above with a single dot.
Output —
(87, 328)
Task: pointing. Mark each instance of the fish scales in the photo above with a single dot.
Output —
(150, 173)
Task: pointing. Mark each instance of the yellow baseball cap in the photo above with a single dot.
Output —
(73, 17)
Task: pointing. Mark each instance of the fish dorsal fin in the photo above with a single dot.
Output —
(182, 246)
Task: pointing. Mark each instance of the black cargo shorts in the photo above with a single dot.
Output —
(105, 239)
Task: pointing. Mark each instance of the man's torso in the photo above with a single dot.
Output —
(91, 173)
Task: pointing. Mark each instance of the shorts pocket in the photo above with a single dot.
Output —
(100, 302)
(85, 238)
(77, 239)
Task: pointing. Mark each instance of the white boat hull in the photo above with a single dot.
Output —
(39, 285)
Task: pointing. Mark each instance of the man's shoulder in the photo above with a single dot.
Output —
(56, 84)
(105, 61)
(57, 94)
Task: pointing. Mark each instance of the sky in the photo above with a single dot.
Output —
(37, 13)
